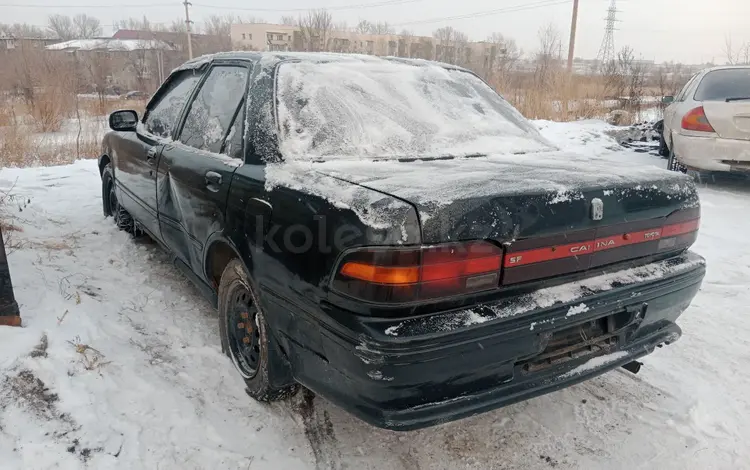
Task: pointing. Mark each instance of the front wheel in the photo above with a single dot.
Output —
(111, 206)
(245, 336)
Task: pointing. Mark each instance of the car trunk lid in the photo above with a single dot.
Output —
(554, 212)
(730, 120)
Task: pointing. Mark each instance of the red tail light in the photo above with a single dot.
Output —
(696, 120)
(395, 275)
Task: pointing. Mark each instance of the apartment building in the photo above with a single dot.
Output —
(264, 37)
(275, 37)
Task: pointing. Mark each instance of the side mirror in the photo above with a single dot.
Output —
(667, 99)
(123, 121)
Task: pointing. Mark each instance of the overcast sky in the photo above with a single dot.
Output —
(688, 31)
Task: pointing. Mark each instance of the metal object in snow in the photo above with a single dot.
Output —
(9, 313)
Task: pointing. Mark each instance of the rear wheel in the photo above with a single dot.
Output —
(663, 149)
(245, 337)
(112, 207)
(672, 163)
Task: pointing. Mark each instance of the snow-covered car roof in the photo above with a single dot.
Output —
(315, 57)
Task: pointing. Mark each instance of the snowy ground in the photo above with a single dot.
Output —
(119, 364)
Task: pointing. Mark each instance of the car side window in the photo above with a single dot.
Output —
(210, 115)
(233, 143)
(162, 116)
(684, 92)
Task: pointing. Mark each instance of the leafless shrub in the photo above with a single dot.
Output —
(14, 145)
(91, 359)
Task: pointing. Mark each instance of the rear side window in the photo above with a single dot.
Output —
(163, 115)
(216, 104)
(721, 85)
(683, 92)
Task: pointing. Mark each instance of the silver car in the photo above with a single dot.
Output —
(707, 125)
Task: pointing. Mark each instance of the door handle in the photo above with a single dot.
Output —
(151, 156)
(213, 181)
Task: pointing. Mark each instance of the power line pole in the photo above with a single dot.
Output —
(572, 45)
(187, 29)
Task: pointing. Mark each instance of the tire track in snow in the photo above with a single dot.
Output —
(318, 431)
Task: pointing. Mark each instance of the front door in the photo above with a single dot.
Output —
(195, 171)
(138, 155)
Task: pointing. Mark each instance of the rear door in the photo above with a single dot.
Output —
(725, 94)
(138, 154)
(196, 170)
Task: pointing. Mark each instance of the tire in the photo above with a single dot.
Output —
(671, 160)
(663, 149)
(111, 206)
(673, 164)
(245, 336)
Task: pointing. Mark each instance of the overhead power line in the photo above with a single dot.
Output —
(220, 7)
(509, 9)
(52, 7)
(329, 8)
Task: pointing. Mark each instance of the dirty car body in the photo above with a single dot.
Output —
(420, 252)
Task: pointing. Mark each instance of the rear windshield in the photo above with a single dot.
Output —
(372, 109)
(721, 85)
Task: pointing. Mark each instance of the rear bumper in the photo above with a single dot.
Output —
(711, 153)
(419, 372)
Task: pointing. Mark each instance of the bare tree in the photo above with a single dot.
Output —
(253, 19)
(445, 48)
(408, 47)
(463, 51)
(216, 25)
(426, 49)
(363, 27)
(23, 30)
(549, 42)
(634, 74)
(546, 57)
(87, 26)
(287, 20)
(381, 27)
(451, 45)
(368, 27)
(177, 26)
(99, 68)
(219, 27)
(138, 62)
(503, 56)
(736, 55)
(315, 29)
(140, 24)
(669, 79)
(61, 26)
